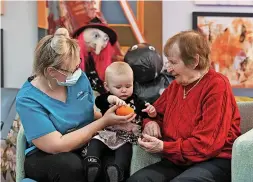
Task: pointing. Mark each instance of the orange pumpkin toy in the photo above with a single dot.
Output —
(124, 110)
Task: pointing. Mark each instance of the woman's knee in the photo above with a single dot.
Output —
(70, 162)
(62, 167)
(69, 167)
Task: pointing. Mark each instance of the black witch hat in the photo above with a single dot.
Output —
(97, 23)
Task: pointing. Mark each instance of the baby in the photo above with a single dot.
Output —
(119, 138)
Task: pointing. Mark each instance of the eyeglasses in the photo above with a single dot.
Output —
(70, 72)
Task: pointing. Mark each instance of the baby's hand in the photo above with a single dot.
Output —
(115, 100)
(150, 110)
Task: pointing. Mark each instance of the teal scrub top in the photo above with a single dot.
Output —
(41, 114)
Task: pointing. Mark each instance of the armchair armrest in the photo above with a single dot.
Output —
(242, 158)
(141, 159)
(20, 155)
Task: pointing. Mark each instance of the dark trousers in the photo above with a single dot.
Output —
(62, 167)
(214, 170)
(121, 157)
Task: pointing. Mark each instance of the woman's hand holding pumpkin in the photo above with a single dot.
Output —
(110, 117)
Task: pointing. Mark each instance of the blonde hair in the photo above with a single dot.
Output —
(189, 44)
(53, 50)
(118, 68)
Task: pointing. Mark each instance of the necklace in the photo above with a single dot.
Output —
(186, 93)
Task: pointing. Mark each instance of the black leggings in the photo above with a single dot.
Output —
(62, 167)
(121, 157)
(214, 170)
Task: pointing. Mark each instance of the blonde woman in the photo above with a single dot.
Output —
(56, 107)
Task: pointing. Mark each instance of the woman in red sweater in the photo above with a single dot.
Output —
(198, 118)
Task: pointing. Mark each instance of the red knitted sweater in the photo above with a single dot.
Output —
(204, 125)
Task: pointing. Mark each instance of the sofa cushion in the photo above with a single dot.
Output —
(246, 112)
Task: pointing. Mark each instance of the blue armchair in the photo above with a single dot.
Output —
(8, 110)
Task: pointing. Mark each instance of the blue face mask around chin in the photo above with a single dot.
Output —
(71, 79)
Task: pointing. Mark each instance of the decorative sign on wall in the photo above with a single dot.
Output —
(231, 40)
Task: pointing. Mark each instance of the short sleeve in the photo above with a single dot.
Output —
(34, 118)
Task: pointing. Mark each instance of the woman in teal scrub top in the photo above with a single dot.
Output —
(56, 107)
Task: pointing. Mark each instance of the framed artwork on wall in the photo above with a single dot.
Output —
(231, 41)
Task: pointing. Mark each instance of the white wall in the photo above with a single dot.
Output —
(177, 15)
(19, 23)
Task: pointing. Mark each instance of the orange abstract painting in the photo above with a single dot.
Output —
(231, 41)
